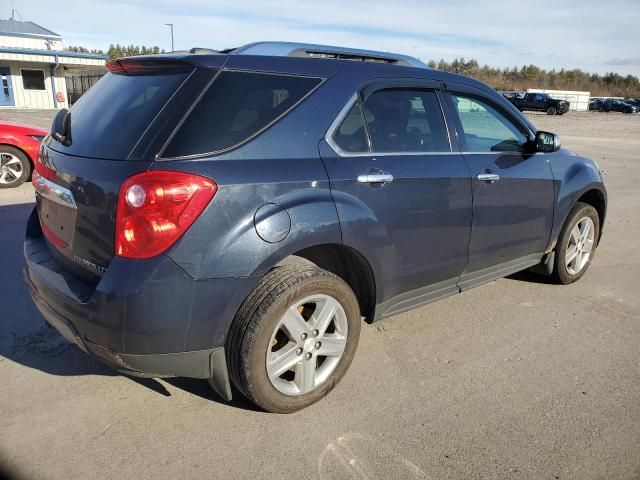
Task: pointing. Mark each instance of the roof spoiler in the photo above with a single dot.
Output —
(146, 64)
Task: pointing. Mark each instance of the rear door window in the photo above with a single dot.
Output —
(111, 117)
(403, 120)
(351, 135)
(235, 108)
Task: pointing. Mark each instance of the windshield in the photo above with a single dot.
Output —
(111, 117)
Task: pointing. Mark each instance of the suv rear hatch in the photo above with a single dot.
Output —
(109, 135)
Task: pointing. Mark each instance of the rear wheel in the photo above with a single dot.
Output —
(551, 110)
(294, 338)
(577, 244)
(15, 167)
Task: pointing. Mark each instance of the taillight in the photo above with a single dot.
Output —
(155, 208)
(42, 168)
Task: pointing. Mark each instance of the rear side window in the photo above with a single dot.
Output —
(111, 117)
(236, 107)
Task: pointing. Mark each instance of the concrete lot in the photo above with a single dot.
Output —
(515, 379)
(38, 118)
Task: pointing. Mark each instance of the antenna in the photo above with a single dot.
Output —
(14, 12)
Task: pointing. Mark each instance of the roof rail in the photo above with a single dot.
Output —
(203, 51)
(291, 49)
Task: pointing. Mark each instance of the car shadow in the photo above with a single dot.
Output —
(26, 339)
(531, 277)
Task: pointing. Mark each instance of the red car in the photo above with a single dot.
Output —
(19, 146)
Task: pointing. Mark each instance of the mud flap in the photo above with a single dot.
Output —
(219, 376)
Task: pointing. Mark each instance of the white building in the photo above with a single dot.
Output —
(32, 66)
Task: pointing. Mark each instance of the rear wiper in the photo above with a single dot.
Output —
(61, 127)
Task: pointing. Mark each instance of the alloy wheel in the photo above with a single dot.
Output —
(580, 245)
(307, 344)
(10, 168)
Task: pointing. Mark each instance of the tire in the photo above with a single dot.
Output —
(551, 110)
(568, 272)
(601, 109)
(15, 167)
(258, 328)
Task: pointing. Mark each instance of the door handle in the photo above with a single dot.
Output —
(489, 177)
(375, 178)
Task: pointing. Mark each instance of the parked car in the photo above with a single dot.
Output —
(234, 216)
(612, 105)
(596, 104)
(18, 150)
(513, 95)
(540, 102)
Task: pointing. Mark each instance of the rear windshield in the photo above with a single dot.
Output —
(237, 106)
(111, 117)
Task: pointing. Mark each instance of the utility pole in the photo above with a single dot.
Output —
(170, 25)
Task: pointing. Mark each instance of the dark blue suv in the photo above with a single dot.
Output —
(235, 215)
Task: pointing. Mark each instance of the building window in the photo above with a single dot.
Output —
(32, 79)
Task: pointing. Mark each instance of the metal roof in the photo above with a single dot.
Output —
(54, 53)
(25, 29)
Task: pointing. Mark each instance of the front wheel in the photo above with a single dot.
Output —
(577, 244)
(293, 338)
(551, 111)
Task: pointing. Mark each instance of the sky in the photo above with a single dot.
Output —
(593, 35)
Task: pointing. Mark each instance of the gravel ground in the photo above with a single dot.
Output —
(516, 379)
(590, 124)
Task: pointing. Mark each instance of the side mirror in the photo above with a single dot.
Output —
(61, 127)
(547, 142)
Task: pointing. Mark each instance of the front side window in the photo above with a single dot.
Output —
(485, 129)
(33, 79)
(402, 120)
(236, 107)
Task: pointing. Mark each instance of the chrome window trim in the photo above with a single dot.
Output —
(342, 153)
(53, 191)
(503, 152)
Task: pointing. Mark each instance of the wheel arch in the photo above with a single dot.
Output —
(348, 264)
(597, 199)
(26, 154)
(593, 194)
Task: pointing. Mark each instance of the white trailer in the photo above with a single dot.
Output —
(579, 101)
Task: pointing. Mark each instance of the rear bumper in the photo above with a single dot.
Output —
(144, 317)
(194, 364)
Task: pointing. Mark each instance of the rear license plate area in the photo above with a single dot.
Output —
(59, 219)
